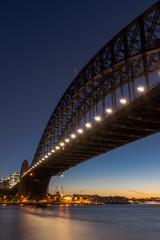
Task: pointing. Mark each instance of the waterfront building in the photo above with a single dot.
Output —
(14, 179)
(4, 183)
(9, 182)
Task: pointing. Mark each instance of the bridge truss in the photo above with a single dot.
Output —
(101, 93)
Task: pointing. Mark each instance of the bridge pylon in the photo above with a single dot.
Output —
(32, 186)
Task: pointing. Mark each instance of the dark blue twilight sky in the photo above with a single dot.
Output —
(41, 43)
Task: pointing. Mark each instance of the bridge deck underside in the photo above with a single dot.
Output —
(138, 119)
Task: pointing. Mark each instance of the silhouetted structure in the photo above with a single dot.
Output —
(101, 109)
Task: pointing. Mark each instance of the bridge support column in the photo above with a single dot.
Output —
(33, 186)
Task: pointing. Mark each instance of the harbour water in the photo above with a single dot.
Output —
(89, 222)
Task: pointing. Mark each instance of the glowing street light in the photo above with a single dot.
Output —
(123, 100)
(46, 156)
(109, 110)
(52, 150)
(61, 175)
(49, 153)
(80, 130)
(73, 136)
(88, 125)
(62, 144)
(57, 147)
(67, 140)
(140, 89)
(97, 118)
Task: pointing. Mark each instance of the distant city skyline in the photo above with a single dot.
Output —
(41, 46)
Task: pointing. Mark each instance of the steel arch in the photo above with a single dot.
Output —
(132, 53)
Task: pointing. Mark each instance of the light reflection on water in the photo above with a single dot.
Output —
(65, 222)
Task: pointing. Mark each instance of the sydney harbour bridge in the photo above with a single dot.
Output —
(114, 100)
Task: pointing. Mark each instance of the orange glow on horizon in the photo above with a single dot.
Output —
(113, 193)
